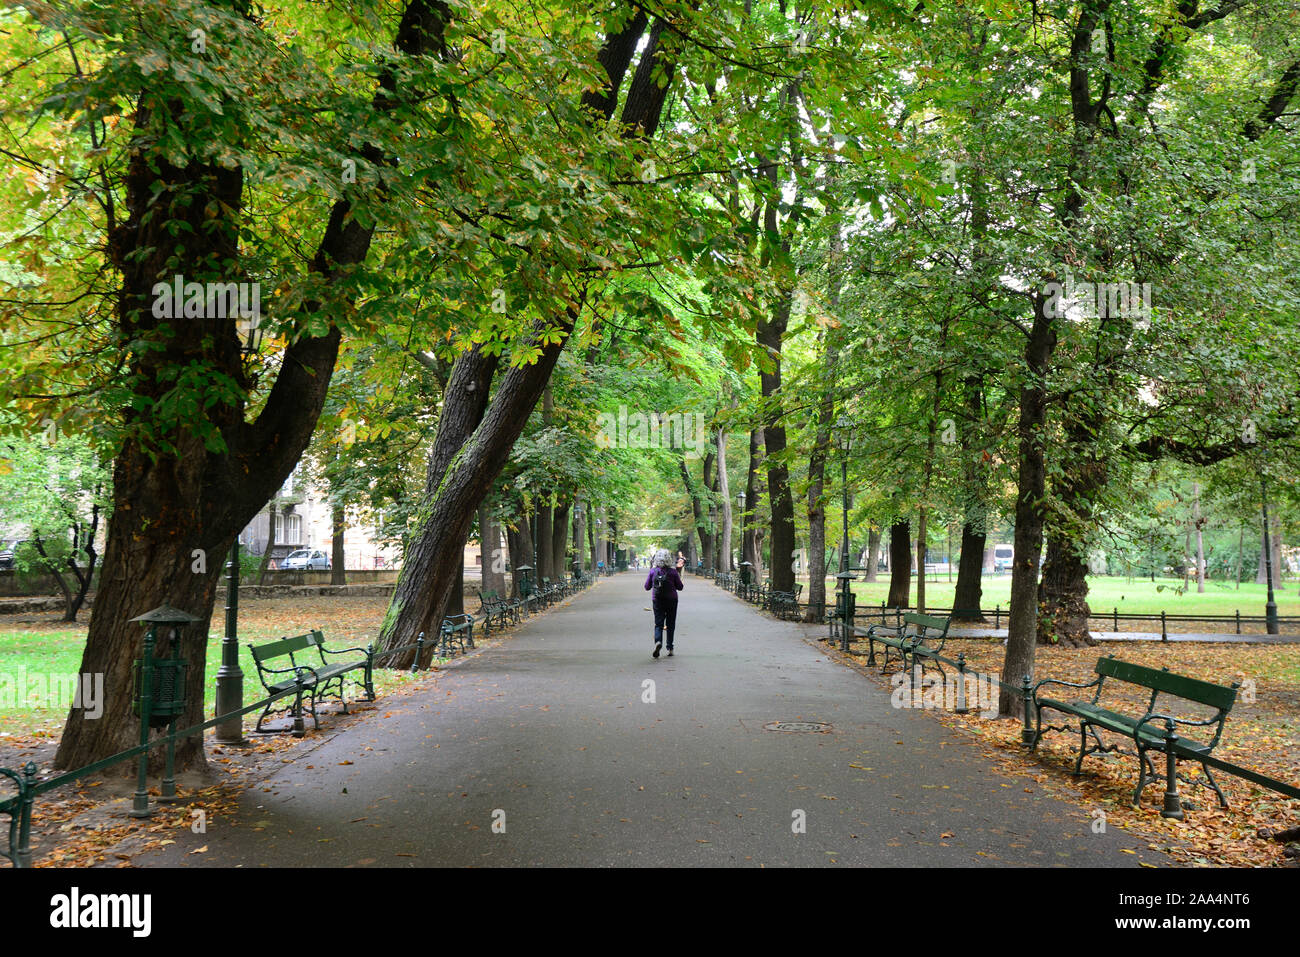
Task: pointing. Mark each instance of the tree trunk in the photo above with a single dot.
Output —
(591, 536)
(456, 597)
(1063, 596)
(474, 439)
(490, 557)
(545, 545)
(873, 553)
(1022, 623)
(697, 510)
(900, 565)
(724, 505)
(969, 593)
(780, 500)
(270, 542)
(338, 556)
(752, 540)
(1200, 537)
(559, 542)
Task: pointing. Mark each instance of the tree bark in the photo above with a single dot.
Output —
(474, 437)
(780, 500)
(271, 511)
(724, 505)
(900, 565)
(338, 555)
(559, 541)
(1022, 624)
(873, 553)
(1063, 595)
(969, 593)
(494, 575)
(752, 541)
(545, 542)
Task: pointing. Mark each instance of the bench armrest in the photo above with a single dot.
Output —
(1154, 716)
(1069, 684)
(343, 651)
(277, 671)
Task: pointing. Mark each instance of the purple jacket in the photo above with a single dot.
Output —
(674, 579)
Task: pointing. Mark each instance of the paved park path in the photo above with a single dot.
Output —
(550, 727)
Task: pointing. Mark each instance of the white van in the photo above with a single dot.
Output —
(1002, 556)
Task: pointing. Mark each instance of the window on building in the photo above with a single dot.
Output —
(288, 529)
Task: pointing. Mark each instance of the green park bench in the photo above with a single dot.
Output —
(785, 603)
(918, 636)
(316, 679)
(1143, 730)
(493, 607)
(456, 628)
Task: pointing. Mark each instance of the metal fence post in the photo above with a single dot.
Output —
(27, 797)
(1164, 634)
(140, 800)
(1026, 691)
(1173, 807)
(168, 793)
(961, 684)
(846, 630)
(419, 650)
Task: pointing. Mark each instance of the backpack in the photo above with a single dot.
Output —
(660, 581)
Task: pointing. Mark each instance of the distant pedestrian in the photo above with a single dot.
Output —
(664, 582)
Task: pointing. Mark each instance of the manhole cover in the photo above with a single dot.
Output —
(804, 727)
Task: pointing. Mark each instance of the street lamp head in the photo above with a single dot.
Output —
(740, 499)
(844, 434)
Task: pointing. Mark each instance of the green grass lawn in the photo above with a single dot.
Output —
(1132, 596)
(48, 650)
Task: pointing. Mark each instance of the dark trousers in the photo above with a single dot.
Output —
(665, 614)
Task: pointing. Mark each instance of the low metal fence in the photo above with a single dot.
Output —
(20, 806)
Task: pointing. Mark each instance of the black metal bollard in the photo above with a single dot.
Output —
(1173, 807)
(419, 650)
(1027, 731)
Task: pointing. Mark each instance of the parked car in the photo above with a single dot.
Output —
(6, 559)
(306, 558)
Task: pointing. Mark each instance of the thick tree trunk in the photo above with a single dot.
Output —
(780, 499)
(270, 542)
(724, 505)
(338, 555)
(752, 539)
(545, 542)
(900, 565)
(969, 593)
(1022, 624)
(559, 542)
(873, 553)
(708, 533)
(456, 597)
(1200, 537)
(1063, 596)
(697, 510)
(490, 557)
(473, 442)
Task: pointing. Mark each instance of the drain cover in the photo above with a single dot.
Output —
(803, 727)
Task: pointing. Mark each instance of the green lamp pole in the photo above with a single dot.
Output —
(1270, 608)
(230, 677)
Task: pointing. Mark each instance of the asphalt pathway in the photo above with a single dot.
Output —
(557, 738)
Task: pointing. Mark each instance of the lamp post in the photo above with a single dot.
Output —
(1270, 608)
(844, 439)
(740, 500)
(230, 677)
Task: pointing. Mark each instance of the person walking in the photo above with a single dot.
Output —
(664, 582)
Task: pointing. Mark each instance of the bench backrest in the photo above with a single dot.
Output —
(287, 646)
(926, 622)
(1164, 680)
